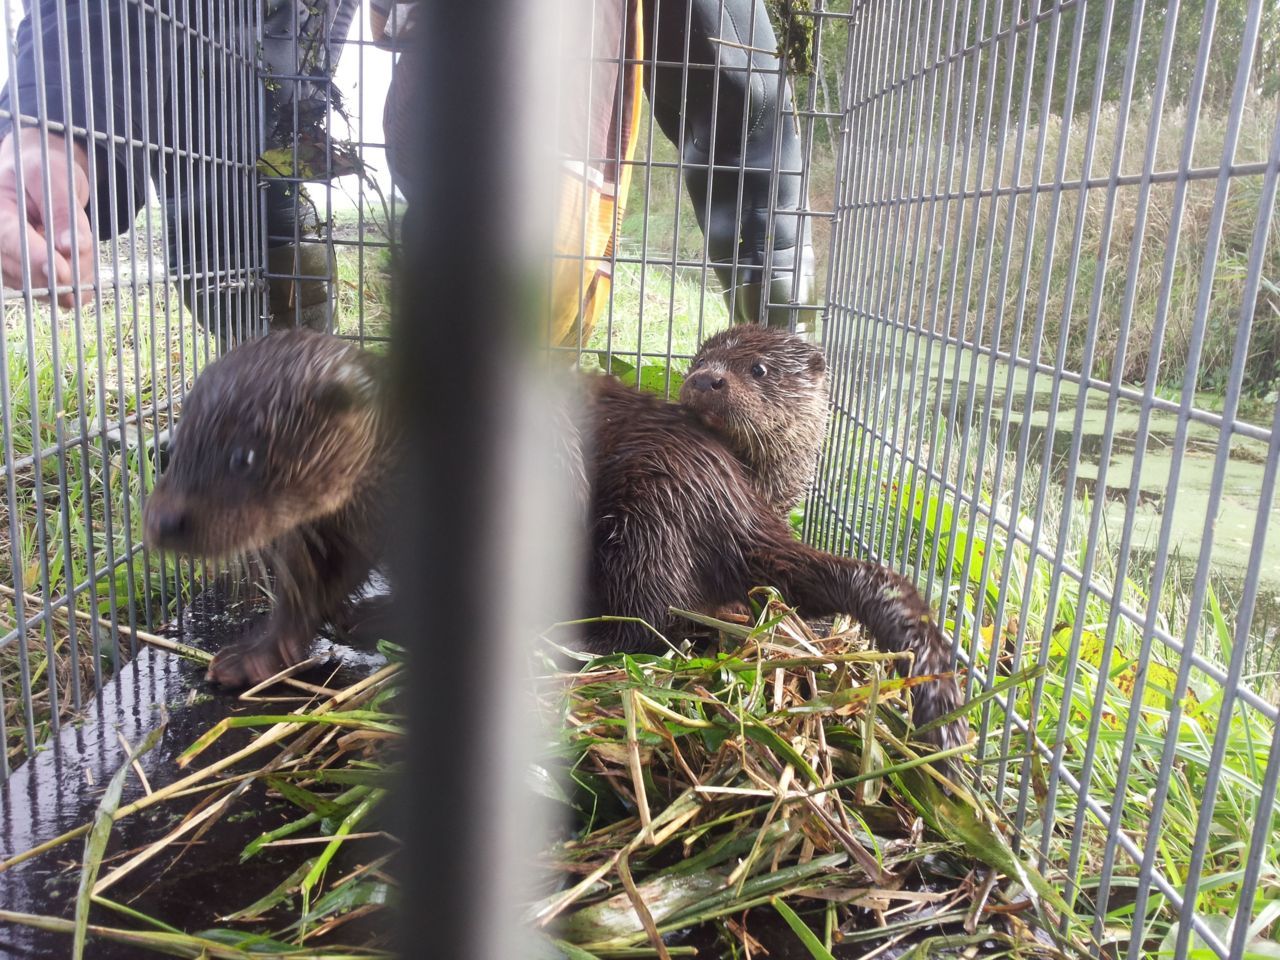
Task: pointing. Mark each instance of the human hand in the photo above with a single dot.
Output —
(69, 195)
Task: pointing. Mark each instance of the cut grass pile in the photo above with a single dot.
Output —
(767, 794)
(327, 757)
(765, 791)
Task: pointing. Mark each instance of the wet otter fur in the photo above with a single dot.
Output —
(284, 452)
(765, 394)
(281, 454)
(685, 514)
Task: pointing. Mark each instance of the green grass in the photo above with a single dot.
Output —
(364, 274)
(76, 516)
(1088, 689)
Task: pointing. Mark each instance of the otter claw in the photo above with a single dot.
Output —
(251, 661)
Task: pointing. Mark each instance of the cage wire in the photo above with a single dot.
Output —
(1049, 321)
(1036, 238)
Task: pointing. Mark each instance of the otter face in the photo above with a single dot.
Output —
(764, 392)
(750, 382)
(275, 434)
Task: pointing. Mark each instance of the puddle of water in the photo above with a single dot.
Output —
(1246, 464)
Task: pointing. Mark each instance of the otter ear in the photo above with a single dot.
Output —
(817, 363)
(334, 398)
(352, 387)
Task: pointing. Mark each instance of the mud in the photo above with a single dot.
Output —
(189, 886)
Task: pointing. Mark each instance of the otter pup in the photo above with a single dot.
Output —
(765, 393)
(685, 507)
(282, 452)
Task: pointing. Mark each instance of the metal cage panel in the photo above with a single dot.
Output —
(1050, 310)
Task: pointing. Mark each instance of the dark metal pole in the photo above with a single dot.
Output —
(461, 297)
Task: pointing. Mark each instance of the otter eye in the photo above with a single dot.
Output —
(758, 371)
(700, 362)
(241, 460)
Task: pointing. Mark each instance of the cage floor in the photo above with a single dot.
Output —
(60, 787)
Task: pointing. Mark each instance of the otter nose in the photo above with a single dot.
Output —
(166, 526)
(706, 381)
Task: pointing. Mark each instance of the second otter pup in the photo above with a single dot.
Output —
(765, 393)
(686, 511)
(281, 451)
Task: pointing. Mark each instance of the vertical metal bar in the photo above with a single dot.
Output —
(912, 256)
(586, 185)
(940, 321)
(1168, 272)
(743, 131)
(43, 539)
(881, 270)
(1125, 321)
(1098, 511)
(974, 458)
(78, 282)
(856, 396)
(860, 162)
(1033, 354)
(939, 99)
(1002, 438)
(648, 190)
(867, 331)
(361, 18)
(678, 195)
(1024, 433)
(624, 66)
(716, 74)
(1064, 522)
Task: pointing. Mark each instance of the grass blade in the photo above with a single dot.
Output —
(801, 930)
(95, 844)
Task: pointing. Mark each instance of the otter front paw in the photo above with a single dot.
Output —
(262, 654)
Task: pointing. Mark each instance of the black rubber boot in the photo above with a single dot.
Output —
(738, 121)
(219, 282)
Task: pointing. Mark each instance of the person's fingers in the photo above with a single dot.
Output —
(41, 273)
(65, 218)
(12, 229)
(77, 247)
(56, 186)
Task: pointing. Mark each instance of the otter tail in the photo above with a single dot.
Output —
(888, 605)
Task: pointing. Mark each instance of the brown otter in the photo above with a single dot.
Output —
(686, 514)
(282, 452)
(765, 393)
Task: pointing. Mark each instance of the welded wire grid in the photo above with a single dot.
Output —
(669, 289)
(1051, 303)
(88, 391)
(240, 183)
(334, 244)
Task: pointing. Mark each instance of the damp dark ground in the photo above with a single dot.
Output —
(192, 886)
(187, 886)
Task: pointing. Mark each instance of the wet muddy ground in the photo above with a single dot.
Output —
(188, 886)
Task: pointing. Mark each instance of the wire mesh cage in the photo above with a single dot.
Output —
(1035, 240)
(1049, 308)
(226, 186)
